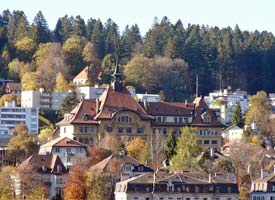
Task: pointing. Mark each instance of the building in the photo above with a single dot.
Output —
(148, 97)
(89, 92)
(43, 100)
(69, 151)
(172, 116)
(3, 83)
(46, 169)
(120, 166)
(226, 100)
(232, 133)
(263, 188)
(176, 186)
(117, 112)
(11, 115)
(83, 77)
(13, 88)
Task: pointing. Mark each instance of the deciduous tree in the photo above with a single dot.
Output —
(61, 84)
(186, 152)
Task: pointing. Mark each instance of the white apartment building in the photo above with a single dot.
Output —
(43, 100)
(10, 116)
(226, 100)
(148, 97)
(68, 150)
(88, 92)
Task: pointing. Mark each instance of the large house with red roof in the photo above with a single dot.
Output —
(117, 112)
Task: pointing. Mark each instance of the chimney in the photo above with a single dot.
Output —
(97, 106)
(210, 178)
(263, 173)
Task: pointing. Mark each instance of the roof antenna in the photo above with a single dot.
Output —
(197, 85)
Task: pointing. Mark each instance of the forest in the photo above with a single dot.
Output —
(165, 60)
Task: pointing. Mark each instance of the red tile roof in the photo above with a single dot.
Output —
(38, 162)
(63, 142)
(169, 108)
(112, 102)
(201, 108)
(109, 163)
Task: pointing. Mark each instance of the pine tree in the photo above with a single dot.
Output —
(169, 149)
(237, 117)
(40, 29)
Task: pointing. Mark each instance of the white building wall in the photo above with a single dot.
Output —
(30, 99)
(11, 116)
(67, 131)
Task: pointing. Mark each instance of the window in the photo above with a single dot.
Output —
(57, 150)
(128, 130)
(214, 142)
(68, 150)
(229, 189)
(140, 130)
(206, 141)
(206, 132)
(91, 129)
(164, 131)
(80, 140)
(199, 141)
(64, 129)
(85, 129)
(158, 119)
(120, 130)
(273, 188)
(197, 189)
(109, 129)
(180, 119)
(164, 119)
(81, 129)
(175, 119)
(154, 130)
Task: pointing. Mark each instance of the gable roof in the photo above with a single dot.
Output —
(202, 108)
(85, 72)
(83, 113)
(45, 164)
(111, 163)
(63, 142)
(13, 86)
(112, 101)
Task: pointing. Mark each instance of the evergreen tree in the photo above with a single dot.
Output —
(237, 117)
(40, 29)
(97, 39)
(169, 149)
(79, 27)
(69, 102)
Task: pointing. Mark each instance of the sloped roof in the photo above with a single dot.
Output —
(63, 142)
(109, 163)
(85, 72)
(14, 86)
(269, 178)
(169, 108)
(112, 101)
(50, 163)
(202, 108)
(83, 113)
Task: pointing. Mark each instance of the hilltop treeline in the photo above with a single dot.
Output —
(220, 57)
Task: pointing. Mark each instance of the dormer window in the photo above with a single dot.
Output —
(206, 117)
(44, 168)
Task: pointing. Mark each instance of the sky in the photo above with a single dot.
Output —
(248, 14)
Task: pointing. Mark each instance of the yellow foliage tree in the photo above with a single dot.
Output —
(30, 81)
(61, 83)
(26, 45)
(8, 98)
(136, 148)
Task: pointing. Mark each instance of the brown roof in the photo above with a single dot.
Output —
(63, 142)
(110, 163)
(84, 73)
(185, 177)
(169, 108)
(112, 101)
(201, 108)
(269, 178)
(83, 113)
(14, 86)
(50, 163)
